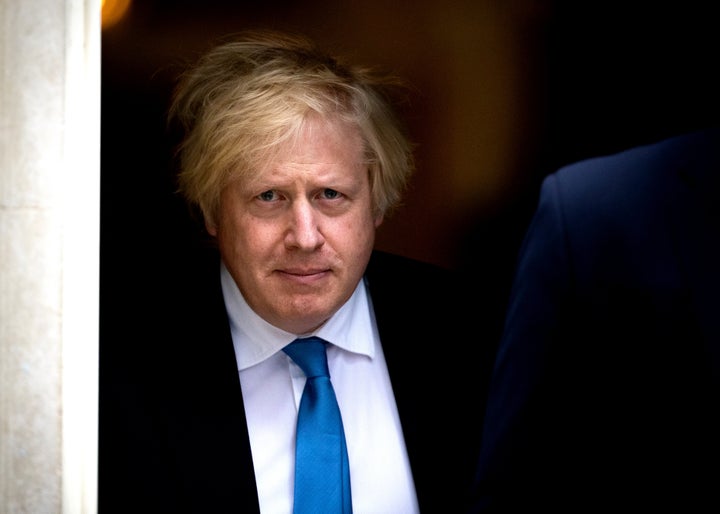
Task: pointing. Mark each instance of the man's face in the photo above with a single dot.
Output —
(297, 236)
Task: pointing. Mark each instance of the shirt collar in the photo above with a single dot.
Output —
(350, 328)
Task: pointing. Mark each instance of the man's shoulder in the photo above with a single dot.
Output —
(393, 266)
(644, 161)
(402, 276)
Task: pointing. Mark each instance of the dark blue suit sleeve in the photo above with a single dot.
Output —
(605, 386)
(541, 290)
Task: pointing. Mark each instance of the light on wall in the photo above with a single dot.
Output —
(113, 11)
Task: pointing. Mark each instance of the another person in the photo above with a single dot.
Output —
(293, 158)
(606, 387)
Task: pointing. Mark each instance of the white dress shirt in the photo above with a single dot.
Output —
(272, 385)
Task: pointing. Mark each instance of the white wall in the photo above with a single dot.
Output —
(49, 254)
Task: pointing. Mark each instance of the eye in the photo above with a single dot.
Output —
(267, 196)
(330, 194)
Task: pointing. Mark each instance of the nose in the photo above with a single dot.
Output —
(304, 230)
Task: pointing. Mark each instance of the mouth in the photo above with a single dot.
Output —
(304, 276)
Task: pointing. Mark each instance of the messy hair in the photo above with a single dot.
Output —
(246, 97)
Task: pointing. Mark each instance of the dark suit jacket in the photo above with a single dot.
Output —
(606, 394)
(173, 432)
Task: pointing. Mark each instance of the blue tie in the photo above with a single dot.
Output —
(322, 474)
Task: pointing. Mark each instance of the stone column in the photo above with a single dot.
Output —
(49, 254)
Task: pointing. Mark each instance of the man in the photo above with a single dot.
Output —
(605, 392)
(293, 159)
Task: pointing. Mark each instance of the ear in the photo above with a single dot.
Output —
(378, 220)
(211, 227)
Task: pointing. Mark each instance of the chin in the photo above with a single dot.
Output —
(304, 322)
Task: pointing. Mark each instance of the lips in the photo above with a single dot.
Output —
(304, 271)
(304, 276)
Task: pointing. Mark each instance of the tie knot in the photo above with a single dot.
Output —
(309, 354)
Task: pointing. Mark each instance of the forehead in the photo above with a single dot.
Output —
(323, 148)
(317, 141)
(331, 135)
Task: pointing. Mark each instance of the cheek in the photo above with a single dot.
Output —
(247, 239)
(356, 231)
(231, 229)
